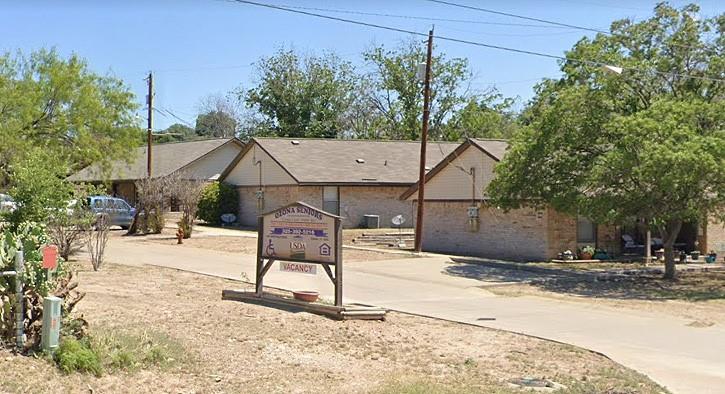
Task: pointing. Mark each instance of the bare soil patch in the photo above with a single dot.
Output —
(247, 245)
(233, 347)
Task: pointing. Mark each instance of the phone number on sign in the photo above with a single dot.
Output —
(299, 231)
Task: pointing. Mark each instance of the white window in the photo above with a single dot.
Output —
(331, 199)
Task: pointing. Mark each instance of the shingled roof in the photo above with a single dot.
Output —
(494, 148)
(336, 161)
(167, 158)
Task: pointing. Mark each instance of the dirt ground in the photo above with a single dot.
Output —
(233, 347)
(695, 296)
(248, 245)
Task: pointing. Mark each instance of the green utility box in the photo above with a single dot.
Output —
(51, 323)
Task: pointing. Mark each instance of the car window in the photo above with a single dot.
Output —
(117, 204)
(123, 205)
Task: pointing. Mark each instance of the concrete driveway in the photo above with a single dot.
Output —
(684, 359)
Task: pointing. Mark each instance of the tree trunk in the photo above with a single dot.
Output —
(133, 228)
(669, 234)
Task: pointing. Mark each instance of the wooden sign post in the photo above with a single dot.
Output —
(304, 234)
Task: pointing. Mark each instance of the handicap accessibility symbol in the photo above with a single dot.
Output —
(269, 250)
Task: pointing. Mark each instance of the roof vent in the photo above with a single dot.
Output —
(295, 142)
(360, 160)
(427, 168)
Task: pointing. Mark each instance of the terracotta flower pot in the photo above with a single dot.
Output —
(306, 296)
(586, 256)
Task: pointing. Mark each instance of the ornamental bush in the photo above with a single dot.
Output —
(216, 200)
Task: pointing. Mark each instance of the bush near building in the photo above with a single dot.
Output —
(217, 199)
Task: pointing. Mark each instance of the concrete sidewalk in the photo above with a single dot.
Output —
(684, 359)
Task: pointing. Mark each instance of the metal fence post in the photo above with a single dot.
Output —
(19, 320)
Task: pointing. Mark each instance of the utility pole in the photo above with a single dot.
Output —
(423, 141)
(150, 118)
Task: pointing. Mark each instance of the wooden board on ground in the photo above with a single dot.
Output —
(345, 312)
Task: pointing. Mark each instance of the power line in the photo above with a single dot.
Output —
(519, 16)
(553, 23)
(481, 33)
(468, 42)
(424, 18)
(204, 68)
(168, 111)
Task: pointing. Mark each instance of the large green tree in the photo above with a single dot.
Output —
(646, 144)
(486, 115)
(175, 133)
(301, 96)
(215, 124)
(397, 93)
(58, 105)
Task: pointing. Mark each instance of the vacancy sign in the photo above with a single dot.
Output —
(300, 268)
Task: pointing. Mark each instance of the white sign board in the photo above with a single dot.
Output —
(300, 268)
(299, 232)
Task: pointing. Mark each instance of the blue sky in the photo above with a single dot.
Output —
(202, 47)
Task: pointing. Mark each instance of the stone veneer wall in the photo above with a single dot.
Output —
(516, 235)
(715, 238)
(274, 197)
(561, 234)
(358, 201)
(355, 202)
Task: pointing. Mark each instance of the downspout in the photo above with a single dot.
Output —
(260, 192)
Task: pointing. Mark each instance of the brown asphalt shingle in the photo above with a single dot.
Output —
(166, 158)
(496, 148)
(336, 161)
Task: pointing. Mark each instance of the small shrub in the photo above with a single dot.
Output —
(73, 355)
(96, 241)
(216, 200)
(111, 351)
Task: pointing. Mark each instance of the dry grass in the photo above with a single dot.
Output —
(234, 347)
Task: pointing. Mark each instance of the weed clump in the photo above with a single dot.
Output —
(110, 352)
(75, 355)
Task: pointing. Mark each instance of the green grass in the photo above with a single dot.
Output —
(111, 351)
(73, 355)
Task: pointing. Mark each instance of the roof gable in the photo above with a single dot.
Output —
(495, 149)
(335, 161)
(166, 159)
